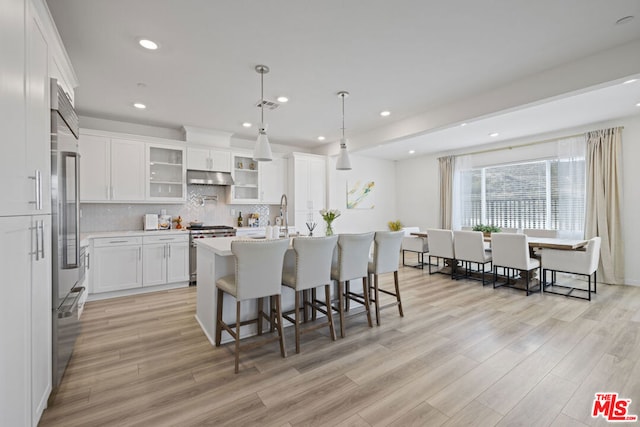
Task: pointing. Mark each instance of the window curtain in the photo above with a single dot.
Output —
(571, 176)
(463, 191)
(446, 191)
(604, 195)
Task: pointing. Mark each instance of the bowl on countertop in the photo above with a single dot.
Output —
(196, 224)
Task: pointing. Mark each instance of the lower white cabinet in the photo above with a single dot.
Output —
(165, 259)
(117, 264)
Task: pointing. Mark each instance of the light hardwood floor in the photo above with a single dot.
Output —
(462, 355)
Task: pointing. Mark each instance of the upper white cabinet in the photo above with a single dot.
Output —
(307, 187)
(166, 173)
(111, 169)
(209, 159)
(273, 180)
(257, 182)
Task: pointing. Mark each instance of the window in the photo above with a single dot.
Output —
(543, 194)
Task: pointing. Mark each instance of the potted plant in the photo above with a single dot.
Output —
(486, 229)
(395, 225)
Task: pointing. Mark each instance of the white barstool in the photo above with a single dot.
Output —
(351, 261)
(308, 266)
(386, 258)
(258, 275)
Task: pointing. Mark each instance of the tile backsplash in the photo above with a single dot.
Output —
(201, 205)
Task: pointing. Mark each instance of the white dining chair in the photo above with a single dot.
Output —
(416, 244)
(441, 247)
(258, 274)
(308, 266)
(469, 247)
(385, 259)
(351, 262)
(510, 251)
(584, 263)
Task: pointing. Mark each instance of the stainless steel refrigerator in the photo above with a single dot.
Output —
(65, 229)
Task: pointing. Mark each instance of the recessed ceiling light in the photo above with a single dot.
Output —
(139, 106)
(321, 138)
(148, 44)
(246, 125)
(463, 124)
(385, 113)
(638, 104)
(630, 81)
(494, 134)
(283, 99)
(625, 20)
(412, 151)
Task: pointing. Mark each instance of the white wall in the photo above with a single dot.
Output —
(418, 187)
(382, 172)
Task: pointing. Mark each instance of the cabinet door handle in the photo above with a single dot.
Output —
(42, 237)
(88, 257)
(169, 246)
(164, 251)
(38, 190)
(37, 228)
(118, 241)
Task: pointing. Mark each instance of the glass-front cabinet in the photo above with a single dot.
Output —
(166, 171)
(245, 172)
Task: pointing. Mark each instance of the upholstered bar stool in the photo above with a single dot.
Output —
(351, 261)
(584, 263)
(469, 249)
(258, 275)
(386, 257)
(308, 266)
(511, 252)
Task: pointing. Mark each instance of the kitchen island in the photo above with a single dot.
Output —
(215, 260)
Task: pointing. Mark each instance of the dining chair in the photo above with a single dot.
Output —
(441, 247)
(584, 263)
(351, 262)
(419, 245)
(510, 251)
(385, 259)
(258, 274)
(469, 247)
(308, 266)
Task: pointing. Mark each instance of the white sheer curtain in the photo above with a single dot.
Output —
(462, 189)
(571, 183)
(446, 191)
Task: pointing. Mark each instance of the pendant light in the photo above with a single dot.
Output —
(262, 150)
(343, 163)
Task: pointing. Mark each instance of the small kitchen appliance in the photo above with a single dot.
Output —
(150, 221)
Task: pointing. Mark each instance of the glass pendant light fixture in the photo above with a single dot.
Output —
(343, 163)
(262, 150)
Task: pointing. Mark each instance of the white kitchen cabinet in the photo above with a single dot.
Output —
(307, 187)
(116, 264)
(25, 321)
(166, 173)
(209, 159)
(111, 169)
(257, 182)
(272, 181)
(245, 173)
(165, 259)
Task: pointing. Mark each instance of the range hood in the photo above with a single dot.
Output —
(208, 178)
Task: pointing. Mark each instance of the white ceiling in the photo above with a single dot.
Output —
(409, 57)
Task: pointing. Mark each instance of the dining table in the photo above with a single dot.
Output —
(538, 242)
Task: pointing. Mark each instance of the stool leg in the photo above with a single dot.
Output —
(260, 312)
(297, 320)
(327, 298)
(237, 336)
(347, 289)
(366, 300)
(219, 317)
(314, 312)
(376, 295)
(272, 310)
(283, 350)
(395, 279)
(341, 308)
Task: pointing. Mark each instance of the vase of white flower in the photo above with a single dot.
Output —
(329, 216)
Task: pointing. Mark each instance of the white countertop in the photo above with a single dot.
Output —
(221, 245)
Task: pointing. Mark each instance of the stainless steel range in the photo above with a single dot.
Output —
(202, 232)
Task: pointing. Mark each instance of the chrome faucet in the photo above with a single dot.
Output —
(283, 210)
